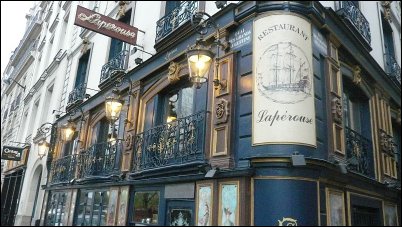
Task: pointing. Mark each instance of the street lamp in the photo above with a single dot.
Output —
(113, 106)
(43, 132)
(43, 148)
(200, 57)
(67, 131)
(199, 63)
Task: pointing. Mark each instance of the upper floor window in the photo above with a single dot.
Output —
(171, 5)
(356, 108)
(170, 104)
(116, 46)
(389, 51)
(82, 70)
(70, 146)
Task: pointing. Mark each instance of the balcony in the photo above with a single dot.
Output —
(63, 169)
(393, 69)
(100, 160)
(359, 153)
(24, 59)
(114, 67)
(170, 22)
(77, 95)
(354, 19)
(174, 144)
(33, 29)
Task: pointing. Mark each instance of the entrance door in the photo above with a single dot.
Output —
(180, 213)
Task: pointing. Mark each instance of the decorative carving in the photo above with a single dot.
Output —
(387, 9)
(357, 78)
(222, 111)
(85, 45)
(122, 9)
(386, 142)
(173, 74)
(337, 110)
(287, 222)
(128, 142)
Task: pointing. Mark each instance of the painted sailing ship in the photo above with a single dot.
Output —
(288, 72)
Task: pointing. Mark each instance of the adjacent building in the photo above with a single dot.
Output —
(219, 113)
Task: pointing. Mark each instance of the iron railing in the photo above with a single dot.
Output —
(172, 144)
(99, 160)
(355, 17)
(358, 153)
(78, 94)
(63, 169)
(393, 69)
(175, 19)
(116, 65)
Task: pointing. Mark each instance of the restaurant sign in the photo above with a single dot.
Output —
(105, 25)
(12, 153)
(283, 95)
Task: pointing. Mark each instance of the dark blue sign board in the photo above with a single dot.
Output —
(285, 202)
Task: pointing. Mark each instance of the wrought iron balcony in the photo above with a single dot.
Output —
(176, 143)
(99, 160)
(393, 69)
(63, 169)
(353, 16)
(359, 153)
(116, 65)
(175, 19)
(77, 95)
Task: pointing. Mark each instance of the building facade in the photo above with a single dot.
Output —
(297, 123)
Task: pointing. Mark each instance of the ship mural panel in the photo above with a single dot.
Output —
(283, 91)
(285, 75)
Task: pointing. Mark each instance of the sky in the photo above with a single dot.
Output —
(12, 27)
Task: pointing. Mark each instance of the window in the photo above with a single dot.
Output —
(116, 46)
(100, 132)
(69, 146)
(146, 207)
(389, 52)
(82, 70)
(356, 109)
(92, 208)
(365, 216)
(56, 209)
(170, 104)
(170, 6)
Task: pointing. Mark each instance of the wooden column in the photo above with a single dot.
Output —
(131, 126)
(222, 114)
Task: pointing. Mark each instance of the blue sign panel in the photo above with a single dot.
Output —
(285, 202)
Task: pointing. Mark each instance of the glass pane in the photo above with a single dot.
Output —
(186, 102)
(146, 206)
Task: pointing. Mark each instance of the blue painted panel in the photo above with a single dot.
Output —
(245, 64)
(245, 126)
(275, 200)
(246, 107)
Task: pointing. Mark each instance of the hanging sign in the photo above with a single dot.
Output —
(283, 95)
(105, 25)
(12, 153)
